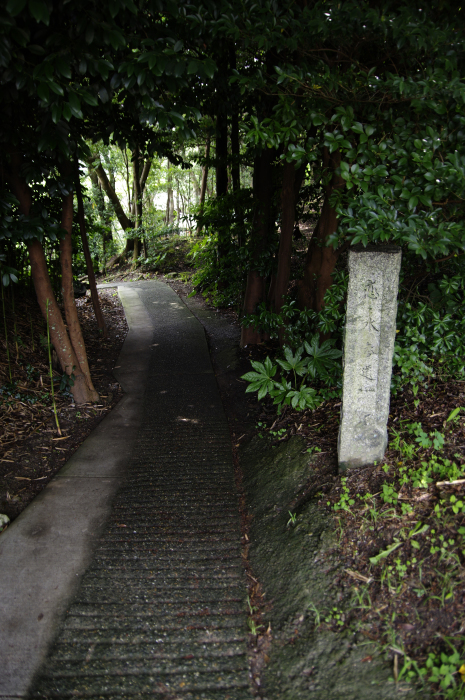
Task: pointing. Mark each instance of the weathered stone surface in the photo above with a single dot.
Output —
(368, 348)
(299, 569)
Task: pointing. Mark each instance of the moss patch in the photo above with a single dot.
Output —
(296, 564)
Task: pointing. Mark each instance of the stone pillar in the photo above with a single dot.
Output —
(369, 336)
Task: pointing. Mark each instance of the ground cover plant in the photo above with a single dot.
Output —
(401, 527)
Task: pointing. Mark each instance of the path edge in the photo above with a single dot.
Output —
(45, 551)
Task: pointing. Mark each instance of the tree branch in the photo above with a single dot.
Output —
(124, 221)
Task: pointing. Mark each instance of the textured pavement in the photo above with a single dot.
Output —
(160, 612)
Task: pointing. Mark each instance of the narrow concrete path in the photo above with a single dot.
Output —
(159, 611)
(45, 551)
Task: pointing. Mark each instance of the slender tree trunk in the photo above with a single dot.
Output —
(204, 183)
(255, 290)
(172, 207)
(59, 336)
(221, 154)
(203, 186)
(196, 187)
(74, 327)
(235, 151)
(169, 194)
(145, 174)
(321, 259)
(40, 277)
(125, 223)
(222, 170)
(235, 146)
(292, 181)
(90, 268)
(137, 204)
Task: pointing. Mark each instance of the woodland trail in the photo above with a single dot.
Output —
(160, 608)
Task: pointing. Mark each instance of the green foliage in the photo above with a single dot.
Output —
(431, 332)
(222, 255)
(394, 115)
(290, 389)
(300, 325)
(445, 670)
(168, 251)
(335, 617)
(345, 502)
(434, 468)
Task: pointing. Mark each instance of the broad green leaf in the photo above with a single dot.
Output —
(103, 94)
(89, 98)
(262, 393)
(63, 67)
(56, 113)
(67, 112)
(252, 376)
(14, 7)
(39, 10)
(209, 68)
(285, 365)
(43, 92)
(57, 89)
(74, 105)
(357, 127)
(36, 49)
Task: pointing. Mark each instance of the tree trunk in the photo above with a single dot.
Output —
(145, 174)
(74, 327)
(125, 223)
(90, 268)
(292, 181)
(58, 334)
(221, 154)
(40, 277)
(222, 171)
(196, 187)
(262, 192)
(169, 193)
(235, 151)
(203, 184)
(137, 204)
(235, 146)
(321, 259)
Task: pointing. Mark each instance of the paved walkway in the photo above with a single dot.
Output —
(159, 609)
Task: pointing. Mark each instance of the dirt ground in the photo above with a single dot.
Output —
(31, 449)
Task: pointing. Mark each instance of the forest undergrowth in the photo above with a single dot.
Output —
(400, 525)
(32, 449)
